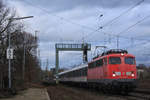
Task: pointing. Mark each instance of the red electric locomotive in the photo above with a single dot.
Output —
(114, 70)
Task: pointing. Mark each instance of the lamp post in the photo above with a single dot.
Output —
(9, 47)
(24, 55)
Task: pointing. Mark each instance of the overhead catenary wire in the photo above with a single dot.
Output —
(137, 44)
(60, 17)
(128, 28)
(134, 24)
(111, 21)
(83, 26)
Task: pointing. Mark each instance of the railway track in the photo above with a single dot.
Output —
(131, 96)
(78, 92)
(139, 96)
(145, 91)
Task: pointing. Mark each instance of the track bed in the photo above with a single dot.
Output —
(62, 92)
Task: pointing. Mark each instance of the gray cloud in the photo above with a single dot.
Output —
(61, 5)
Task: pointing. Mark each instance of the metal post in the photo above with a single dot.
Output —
(118, 42)
(57, 62)
(57, 65)
(9, 60)
(85, 48)
(24, 58)
(9, 64)
(23, 67)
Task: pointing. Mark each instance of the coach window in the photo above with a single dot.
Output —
(65, 75)
(114, 60)
(82, 72)
(86, 71)
(68, 74)
(78, 73)
(74, 73)
(71, 74)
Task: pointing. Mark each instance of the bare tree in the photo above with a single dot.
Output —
(19, 39)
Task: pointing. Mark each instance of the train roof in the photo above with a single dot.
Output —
(112, 51)
(73, 69)
(115, 51)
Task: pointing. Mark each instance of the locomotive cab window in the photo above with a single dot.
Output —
(114, 60)
(129, 60)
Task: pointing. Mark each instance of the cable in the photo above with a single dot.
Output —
(137, 4)
(117, 18)
(134, 24)
(136, 44)
(130, 28)
(111, 21)
(60, 17)
(124, 30)
(69, 21)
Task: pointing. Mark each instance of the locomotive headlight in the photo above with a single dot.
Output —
(122, 54)
(114, 75)
(132, 75)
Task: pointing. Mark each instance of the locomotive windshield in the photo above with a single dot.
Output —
(114, 60)
(129, 60)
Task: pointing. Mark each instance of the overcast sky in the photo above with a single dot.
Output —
(72, 21)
